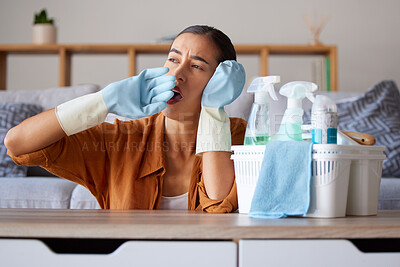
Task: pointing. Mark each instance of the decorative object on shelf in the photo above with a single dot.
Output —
(44, 31)
(321, 73)
(316, 29)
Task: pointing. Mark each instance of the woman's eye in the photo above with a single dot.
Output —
(197, 67)
(173, 60)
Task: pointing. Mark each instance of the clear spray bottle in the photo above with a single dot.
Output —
(258, 130)
(290, 129)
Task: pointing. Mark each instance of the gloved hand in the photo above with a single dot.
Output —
(136, 97)
(213, 132)
(225, 85)
(140, 96)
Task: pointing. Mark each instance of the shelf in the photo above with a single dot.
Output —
(65, 52)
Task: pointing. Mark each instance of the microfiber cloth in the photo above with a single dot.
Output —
(283, 186)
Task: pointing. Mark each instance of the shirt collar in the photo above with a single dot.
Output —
(154, 158)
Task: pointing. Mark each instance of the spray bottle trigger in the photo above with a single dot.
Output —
(311, 93)
(272, 93)
(311, 97)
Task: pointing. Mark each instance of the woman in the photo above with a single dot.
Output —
(151, 162)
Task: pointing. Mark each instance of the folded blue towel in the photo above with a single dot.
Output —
(283, 186)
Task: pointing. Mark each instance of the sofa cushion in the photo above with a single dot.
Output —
(82, 199)
(389, 196)
(36, 192)
(241, 107)
(12, 114)
(47, 98)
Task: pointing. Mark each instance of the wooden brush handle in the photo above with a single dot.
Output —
(361, 138)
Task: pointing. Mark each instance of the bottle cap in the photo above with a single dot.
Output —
(261, 97)
(323, 104)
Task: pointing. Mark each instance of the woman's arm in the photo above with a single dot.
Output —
(34, 133)
(218, 174)
(214, 133)
(135, 97)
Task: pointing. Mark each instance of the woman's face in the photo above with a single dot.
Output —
(193, 60)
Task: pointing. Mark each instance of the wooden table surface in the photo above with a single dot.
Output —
(137, 224)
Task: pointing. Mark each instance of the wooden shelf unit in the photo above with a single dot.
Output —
(65, 52)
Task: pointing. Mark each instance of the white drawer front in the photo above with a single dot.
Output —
(30, 252)
(310, 253)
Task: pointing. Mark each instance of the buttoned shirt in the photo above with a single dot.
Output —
(122, 164)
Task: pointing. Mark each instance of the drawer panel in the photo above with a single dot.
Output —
(310, 253)
(31, 252)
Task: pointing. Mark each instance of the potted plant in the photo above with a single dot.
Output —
(44, 31)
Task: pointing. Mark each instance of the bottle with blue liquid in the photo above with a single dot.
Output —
(324, 120)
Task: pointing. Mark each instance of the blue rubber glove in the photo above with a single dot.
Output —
(225, 85)
(213, 132)
(140, 96)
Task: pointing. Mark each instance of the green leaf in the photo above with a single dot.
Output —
(43, 14)
(42, 18)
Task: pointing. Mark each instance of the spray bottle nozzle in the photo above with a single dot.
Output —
(310, 96)
(264, 84)
(297, 91)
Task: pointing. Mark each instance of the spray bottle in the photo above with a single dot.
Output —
(258, 130)
(290, 129)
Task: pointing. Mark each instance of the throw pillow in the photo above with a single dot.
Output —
(47, 98)
(376, 112)
(11, 114)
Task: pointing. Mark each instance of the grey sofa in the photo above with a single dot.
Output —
(41, 190)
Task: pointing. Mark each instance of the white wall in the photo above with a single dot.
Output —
(366, 32)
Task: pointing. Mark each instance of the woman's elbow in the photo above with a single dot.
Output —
(11, 141)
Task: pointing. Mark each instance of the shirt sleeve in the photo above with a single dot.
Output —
(230, 203)
(81, 158)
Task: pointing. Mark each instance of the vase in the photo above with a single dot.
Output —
(44, 34)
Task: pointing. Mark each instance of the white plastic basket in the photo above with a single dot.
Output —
(331, 168)
(247, 161)
(365, 180)
(329, 184)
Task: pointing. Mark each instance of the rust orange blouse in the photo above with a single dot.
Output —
(122, 164)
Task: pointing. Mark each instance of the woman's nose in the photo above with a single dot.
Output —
(180, 73)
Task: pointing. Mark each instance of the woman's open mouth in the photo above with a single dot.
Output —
(177, 96)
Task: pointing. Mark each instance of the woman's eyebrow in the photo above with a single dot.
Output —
(200, 58)
(174, 50)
